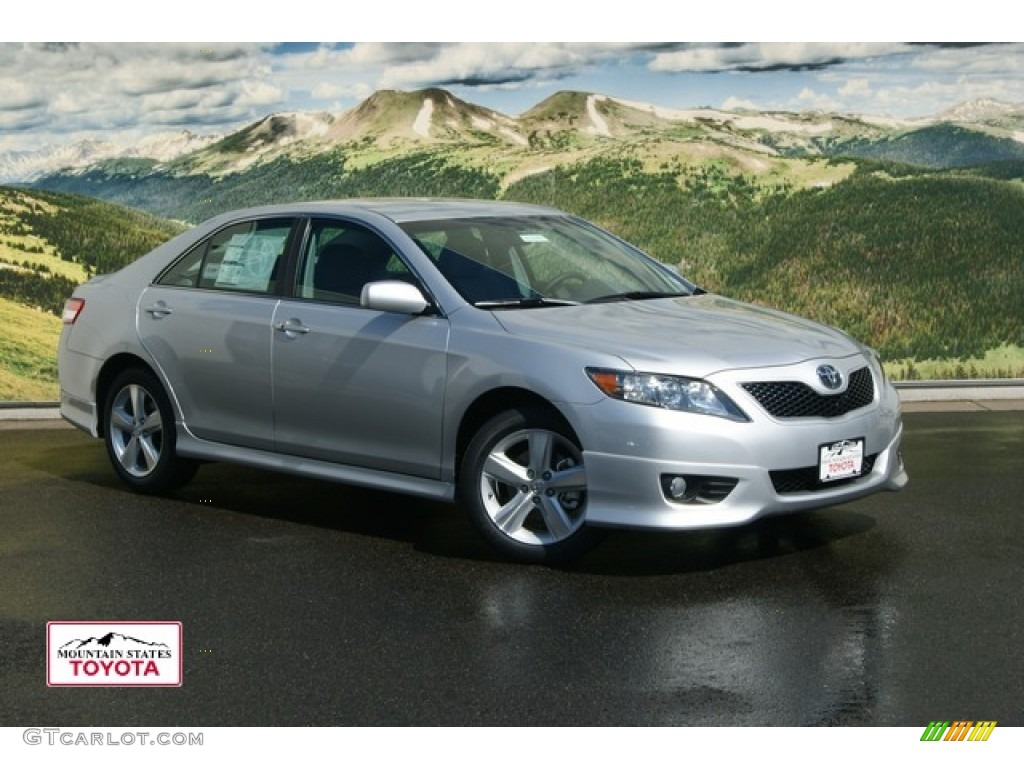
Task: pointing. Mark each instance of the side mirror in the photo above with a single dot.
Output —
(393, 296)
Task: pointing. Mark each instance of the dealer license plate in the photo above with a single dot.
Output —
(838, 461)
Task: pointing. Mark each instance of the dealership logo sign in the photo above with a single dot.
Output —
(116, 653)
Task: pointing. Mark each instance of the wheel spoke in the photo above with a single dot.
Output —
(138, 398)
(572, 479)
(153, 423)
(511, 517)
(501, 468)
(558, 523)
(119, 419)
(541, 446)
(150, 453)
(130, 456)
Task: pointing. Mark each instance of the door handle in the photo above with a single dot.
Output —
(158, 310)
(291, 326)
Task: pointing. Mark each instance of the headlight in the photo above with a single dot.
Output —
(676, 393)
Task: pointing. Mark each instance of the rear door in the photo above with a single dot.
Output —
(207, 321)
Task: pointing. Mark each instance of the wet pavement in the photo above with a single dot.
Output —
(305, 603)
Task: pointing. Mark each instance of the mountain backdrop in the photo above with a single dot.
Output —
(908, 234)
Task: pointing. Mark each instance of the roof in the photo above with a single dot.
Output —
(400, 210)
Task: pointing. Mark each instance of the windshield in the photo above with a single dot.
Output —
(540, 261)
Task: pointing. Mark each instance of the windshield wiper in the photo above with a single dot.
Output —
(637, 296)
(524, 303)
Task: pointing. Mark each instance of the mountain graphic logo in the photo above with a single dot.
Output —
(111, 640)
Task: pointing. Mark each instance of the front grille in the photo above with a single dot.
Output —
(805, 479)
(794, 399)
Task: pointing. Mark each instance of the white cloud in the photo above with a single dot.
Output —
(22, 121)
(257, 93)
(498, 63)
(933, 96)
(374, 54)
(810, 99)
(768, 56)
(855, 87)
(998, 60)
(101, 86)
(329, 91)
(734, 104)
(15, 94)
(73, 102)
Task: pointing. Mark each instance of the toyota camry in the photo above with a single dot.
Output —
(548, 376)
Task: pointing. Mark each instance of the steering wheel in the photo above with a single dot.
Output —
(563, 280)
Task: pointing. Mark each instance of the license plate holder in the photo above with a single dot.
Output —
(841, 460)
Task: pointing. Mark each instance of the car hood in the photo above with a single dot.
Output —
(692, 335)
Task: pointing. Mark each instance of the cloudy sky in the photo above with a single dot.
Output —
(57, 93)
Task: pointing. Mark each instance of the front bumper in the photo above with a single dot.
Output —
(633, 448)
(627, 491)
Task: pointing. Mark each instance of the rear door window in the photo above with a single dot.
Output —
(246, 257)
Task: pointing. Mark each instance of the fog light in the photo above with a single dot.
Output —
(677, 488)
(697, 489)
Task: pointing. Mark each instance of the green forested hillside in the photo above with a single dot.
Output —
(96, 234)
(285, 179)
(920, 266)
(926, 267)
(50, 243)
(938, 146)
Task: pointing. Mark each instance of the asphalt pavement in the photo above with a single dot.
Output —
(307, 603)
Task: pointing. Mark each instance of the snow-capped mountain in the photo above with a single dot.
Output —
(563, 127)
(22, 166)
(980, 111)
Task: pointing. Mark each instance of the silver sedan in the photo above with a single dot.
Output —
(547, 375)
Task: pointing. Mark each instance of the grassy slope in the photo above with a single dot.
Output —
(37, 229)
(1004, 362)
(47, 261)
(28, 353)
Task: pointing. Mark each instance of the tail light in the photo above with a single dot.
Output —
(72, 309)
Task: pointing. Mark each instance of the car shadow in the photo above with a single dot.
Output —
(638, 553)
(441, 529)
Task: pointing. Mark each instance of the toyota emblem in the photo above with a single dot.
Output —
(830, 376)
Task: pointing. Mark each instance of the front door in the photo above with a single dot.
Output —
(353, 385)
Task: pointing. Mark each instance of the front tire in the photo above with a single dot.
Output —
(524, 485)
(139, 434)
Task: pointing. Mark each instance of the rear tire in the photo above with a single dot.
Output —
(138, 428)
(525, 487)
